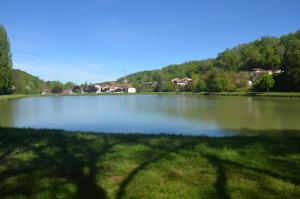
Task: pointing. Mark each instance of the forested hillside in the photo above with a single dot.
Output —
(228, 70)
(25, 83)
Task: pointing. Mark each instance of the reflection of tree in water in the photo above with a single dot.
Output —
(6, 114)
(232, 112)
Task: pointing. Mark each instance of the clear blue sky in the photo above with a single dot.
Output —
(96, 40)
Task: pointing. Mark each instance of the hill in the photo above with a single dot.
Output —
(26, 83)
(231, 65)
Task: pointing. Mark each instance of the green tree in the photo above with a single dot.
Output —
(216, 82)
(166, 86)
(201, 85)
(55, 84)
(69, 85)
(5, 63)
(265, 83)
(57, 90)
(292, 54)
(271, 52)
(229, 60)
(76, 89)
(251, 56)
(198, 85)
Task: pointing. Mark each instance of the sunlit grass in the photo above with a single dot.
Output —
(58, 164)
(261, 94)
(11, 97)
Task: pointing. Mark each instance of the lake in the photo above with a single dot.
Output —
(170, 114)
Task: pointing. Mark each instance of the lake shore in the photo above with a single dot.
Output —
(11, 97)
(254, 94)
(56, 163)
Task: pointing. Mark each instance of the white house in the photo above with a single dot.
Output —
(249, 84)
(98, 87)
(258, 72)
(131, 90)
(46, 92)
(182, 82)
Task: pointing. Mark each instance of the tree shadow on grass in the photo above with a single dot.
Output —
(75, 158)
(12, 144)
(279, 146)
(155, 154)
(273, 143)
(221, 178)
(58, 156)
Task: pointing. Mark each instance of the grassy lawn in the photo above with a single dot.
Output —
(58, 164)
(261, 94)
(11, 97)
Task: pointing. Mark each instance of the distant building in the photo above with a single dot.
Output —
(67, 92)
(113, 87)
(182, 82)
(277, 71)
(258, 72)
(249, 84)
(99, 88)
(131, 90)
(150, 84)
(46, 92)
(110, 87)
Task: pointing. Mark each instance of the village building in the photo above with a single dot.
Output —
(182, 82)
(275, 72)
(46, 92)
(67, 92)
(99, 88)
(113, 87)
(150, 84)
(131, 90)
(249, 83)
(110, 87)
(258, 72)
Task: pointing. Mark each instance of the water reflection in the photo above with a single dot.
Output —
(177, 114)
(6, 111)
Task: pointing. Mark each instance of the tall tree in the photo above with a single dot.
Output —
(5, 63)
(265, 83)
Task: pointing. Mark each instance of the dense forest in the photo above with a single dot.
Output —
(229, 71)
(28, 84)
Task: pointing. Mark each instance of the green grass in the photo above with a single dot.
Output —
(258, 94)
(59, 164)
(11, 97)
(262, 94)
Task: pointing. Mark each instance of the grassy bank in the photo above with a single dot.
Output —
(11, 97)
(58, 164)
(261, 94)
(271, 94)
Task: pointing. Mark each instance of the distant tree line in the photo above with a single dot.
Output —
(25, 83)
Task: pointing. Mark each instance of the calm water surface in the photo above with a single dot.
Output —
(173, 114)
